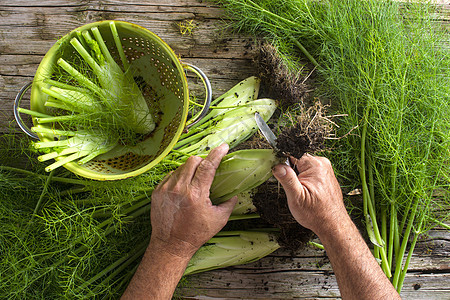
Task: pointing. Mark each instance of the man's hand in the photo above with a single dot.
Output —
(183, 219)
(315, 200)
(314, 196)
(182, 215)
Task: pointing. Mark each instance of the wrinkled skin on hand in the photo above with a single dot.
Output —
(315, 200)
(182, 215)
(314, 195)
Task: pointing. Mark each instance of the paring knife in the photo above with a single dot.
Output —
(265, 130)
(270, 137)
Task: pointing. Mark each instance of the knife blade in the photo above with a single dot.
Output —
(270, 137)
(266, 131)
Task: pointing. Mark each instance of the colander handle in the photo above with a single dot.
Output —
(19, 120)
(208, 97)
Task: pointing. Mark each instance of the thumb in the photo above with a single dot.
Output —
(289, 180)
(227, 207)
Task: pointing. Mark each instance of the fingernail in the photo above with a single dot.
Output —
(279, 171)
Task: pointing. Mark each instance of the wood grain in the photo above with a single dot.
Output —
(307, 274)
(28, 28)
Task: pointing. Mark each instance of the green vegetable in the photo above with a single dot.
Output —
(241, 171)
(231, 249)
(243, 95)
(70, 99)
(82, 146)
(118, 90)
(92, 107)
(232, 127)
(238, 96)
(231, 120)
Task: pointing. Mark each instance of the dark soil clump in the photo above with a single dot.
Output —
(308, 132)
(293, 142)
(281, 83)
(271, 202)
(299, 130)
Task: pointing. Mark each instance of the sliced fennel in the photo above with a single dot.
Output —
(239, 95)
(231, 119)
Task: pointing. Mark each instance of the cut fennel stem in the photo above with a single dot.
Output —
(83, 146)
(112, 93)
(118, 90)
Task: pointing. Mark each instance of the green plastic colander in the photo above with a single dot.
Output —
(164, 86)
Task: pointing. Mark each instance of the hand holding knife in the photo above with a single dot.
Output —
(271, 138)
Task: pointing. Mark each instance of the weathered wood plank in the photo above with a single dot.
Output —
(308, 275)
(66, 3)
(43, 29)
(237, 283)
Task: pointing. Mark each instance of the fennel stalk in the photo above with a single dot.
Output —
(384, 65)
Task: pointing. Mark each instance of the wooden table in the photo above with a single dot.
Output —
(28, 28)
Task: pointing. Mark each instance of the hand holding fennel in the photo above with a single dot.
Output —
(184, 219)
(385, 65)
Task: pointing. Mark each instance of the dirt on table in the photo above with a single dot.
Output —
(280, 82)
